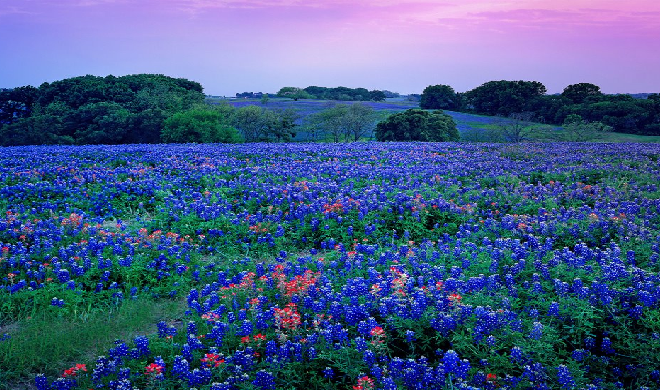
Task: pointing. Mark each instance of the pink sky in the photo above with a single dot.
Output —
(233, 46)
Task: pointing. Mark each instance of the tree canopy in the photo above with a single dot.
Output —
(199, 124)
(258, 124)
(504, 97)
(621, 113)
(578, 93)
(439, 97)
(338, 93)
(342, 122)
(417, 125)
(94, 110)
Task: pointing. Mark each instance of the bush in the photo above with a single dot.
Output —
(417, 125)
(199, 124)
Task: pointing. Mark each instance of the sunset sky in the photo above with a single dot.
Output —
(233, 46)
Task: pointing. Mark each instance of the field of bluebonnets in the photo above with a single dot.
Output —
(306, 107)
(326, 266)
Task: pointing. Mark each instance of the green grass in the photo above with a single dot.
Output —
(623, 137)
(50, 344)
(538, 132)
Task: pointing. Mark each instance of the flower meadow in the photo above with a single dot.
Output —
(304, 108)
(335, 266)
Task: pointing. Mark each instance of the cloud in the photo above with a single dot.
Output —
(13, 10)
(93, 3)
(569, 21)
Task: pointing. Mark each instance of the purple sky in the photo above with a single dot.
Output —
(233, 46)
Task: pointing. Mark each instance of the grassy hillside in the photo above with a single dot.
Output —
(476, 128)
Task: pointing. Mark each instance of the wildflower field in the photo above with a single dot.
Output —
(305, 108)
(338, 266)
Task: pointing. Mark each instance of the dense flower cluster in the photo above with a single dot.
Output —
(380, 266)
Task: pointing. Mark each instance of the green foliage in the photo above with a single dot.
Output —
(440, 97)
(258, 124)
(417, 125)
(358, 121)
(347, 122)
(16, 103)
(503, 97)
(294, 93)
(100, 123)
(48, 340)
(200, 124)
(623, 113)
(578, 93)
(94, 110)
(327, 123)
(377, 96)
(344, 94)
(578, 130)
(518, 128)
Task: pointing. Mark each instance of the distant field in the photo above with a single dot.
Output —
(466, 123)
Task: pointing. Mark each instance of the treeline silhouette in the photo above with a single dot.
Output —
(623, 112)
(95, 110)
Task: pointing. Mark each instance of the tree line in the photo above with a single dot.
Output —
(578, 102)
(143, 108)
(95, 110)
(337, 93)
(151, 108)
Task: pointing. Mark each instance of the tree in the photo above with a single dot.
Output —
(578, 130)
(17, 103)
(439, 97)
(92, 109)
(258, 124)
(294, 93)
(578, 93)
(281, 125)
(46, 126)
(358, 121)
(249, 121)
(329, 121)
(417, 125)
(377, 96)
(199, 124)
(503, 97)
(518, 127)
(101, 123)
(347, 122)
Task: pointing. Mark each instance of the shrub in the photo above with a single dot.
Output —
(198, 124)
(417, 125)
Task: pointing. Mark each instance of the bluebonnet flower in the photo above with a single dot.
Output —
(579, 354)
(57, 302)
(410, 336)
(636, 312)
(180, 367)
(264, 380)
(41, 382)
(537, 331)
(517, 355)
(369, 357)
(606, 346)
(200, 376)
(589, 343)
(564, 377)
(491, 341)
(328, 373)
(450, 361)
(142, 345)
(360, 344)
